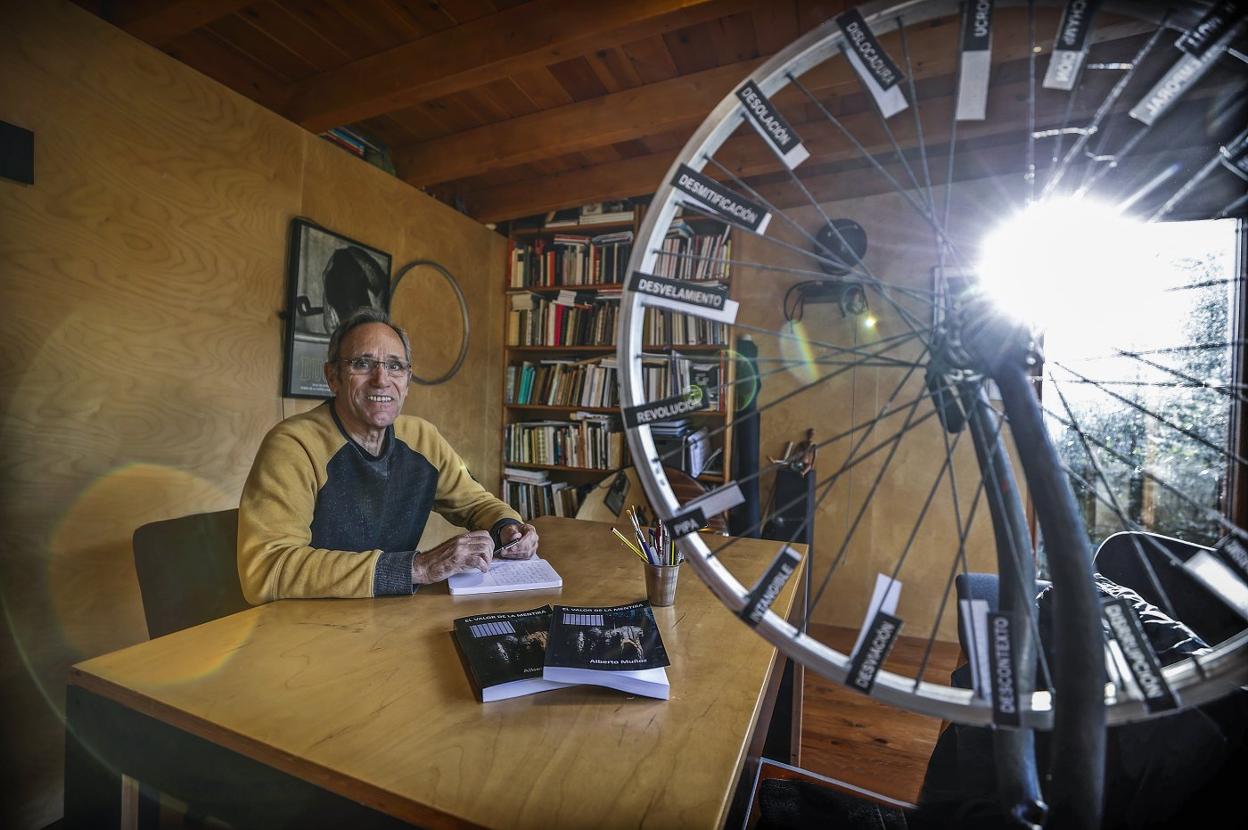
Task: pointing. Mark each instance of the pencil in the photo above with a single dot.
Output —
(630, 545)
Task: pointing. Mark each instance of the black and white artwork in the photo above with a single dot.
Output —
(329, 277)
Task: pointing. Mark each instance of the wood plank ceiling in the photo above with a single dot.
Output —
(505, 108)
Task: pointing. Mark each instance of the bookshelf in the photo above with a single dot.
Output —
(562, 432)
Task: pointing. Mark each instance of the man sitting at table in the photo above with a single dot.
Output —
(338, 497)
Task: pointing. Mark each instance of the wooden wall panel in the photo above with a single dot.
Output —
(901, 252)
(140, 280)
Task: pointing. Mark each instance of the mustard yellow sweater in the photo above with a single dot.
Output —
(322, 517)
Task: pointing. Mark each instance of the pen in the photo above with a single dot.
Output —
(510, 544)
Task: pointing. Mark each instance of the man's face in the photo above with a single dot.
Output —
(370, 401)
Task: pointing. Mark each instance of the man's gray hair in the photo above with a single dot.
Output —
(363, 316)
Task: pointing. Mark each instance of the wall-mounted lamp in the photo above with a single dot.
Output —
(839, 248)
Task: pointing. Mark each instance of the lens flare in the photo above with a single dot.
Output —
(798, 354)
(1068, 263)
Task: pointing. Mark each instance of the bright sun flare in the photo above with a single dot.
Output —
(1067, 262)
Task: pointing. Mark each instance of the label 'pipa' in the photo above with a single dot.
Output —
(692, 516)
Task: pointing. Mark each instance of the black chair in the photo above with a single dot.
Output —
(188, 570)
(1152, 565)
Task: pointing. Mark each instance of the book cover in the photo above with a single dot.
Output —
(504, 652)
(614, 646)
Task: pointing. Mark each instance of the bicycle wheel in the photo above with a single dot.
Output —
(1134, 123)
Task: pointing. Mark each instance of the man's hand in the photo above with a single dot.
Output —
(469, 551)
(523, 549)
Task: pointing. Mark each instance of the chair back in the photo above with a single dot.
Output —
(188, 570)
(684, 487)
(1128, 557)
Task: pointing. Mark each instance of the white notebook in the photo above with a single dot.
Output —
(507, 575)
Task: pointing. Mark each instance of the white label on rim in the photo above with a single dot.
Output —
(1181, 77)
(974, 620)
(1220, 580)
(1071, 45)
(686, 296)
(771, 125)
(976, 60)
(691, 187)
(718, 500)
(883, 598)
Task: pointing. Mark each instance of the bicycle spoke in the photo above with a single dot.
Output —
(905, 314)
(1200, 439)
(1102, 112)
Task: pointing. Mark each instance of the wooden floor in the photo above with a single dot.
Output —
(848, 736)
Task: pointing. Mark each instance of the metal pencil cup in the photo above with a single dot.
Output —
(661, 583)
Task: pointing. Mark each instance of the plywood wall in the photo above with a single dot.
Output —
(140, 281)
(900, 252)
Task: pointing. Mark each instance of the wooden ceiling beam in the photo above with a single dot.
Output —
(745, 155)
(159, 21)
(487, 49)
(637, 113)
(621, 116)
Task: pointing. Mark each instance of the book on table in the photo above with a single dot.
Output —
(615, 646)
(504, 652)
(507, 575)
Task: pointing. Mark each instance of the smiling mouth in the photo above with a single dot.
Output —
(380, 399)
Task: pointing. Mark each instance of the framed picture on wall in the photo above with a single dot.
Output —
(328, 277)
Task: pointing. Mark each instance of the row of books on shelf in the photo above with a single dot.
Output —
(686, 255)
(569, 259)
(589, 441)
(531, 493)
(515, 653)
(594, 382)
(537, 321)
(590, 383)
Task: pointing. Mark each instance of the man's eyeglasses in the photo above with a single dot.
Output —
(367, 365)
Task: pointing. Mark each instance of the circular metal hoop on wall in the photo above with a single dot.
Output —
(463, 314)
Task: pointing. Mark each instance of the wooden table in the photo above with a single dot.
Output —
(359, 713)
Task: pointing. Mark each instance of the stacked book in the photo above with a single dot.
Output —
(589, 383)
(599, 213)
(588, 440)
(672, 328)
(570, 259)
(537, 321)
(514, 653)
(681, 445)
(349, 140)
(531, 493)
